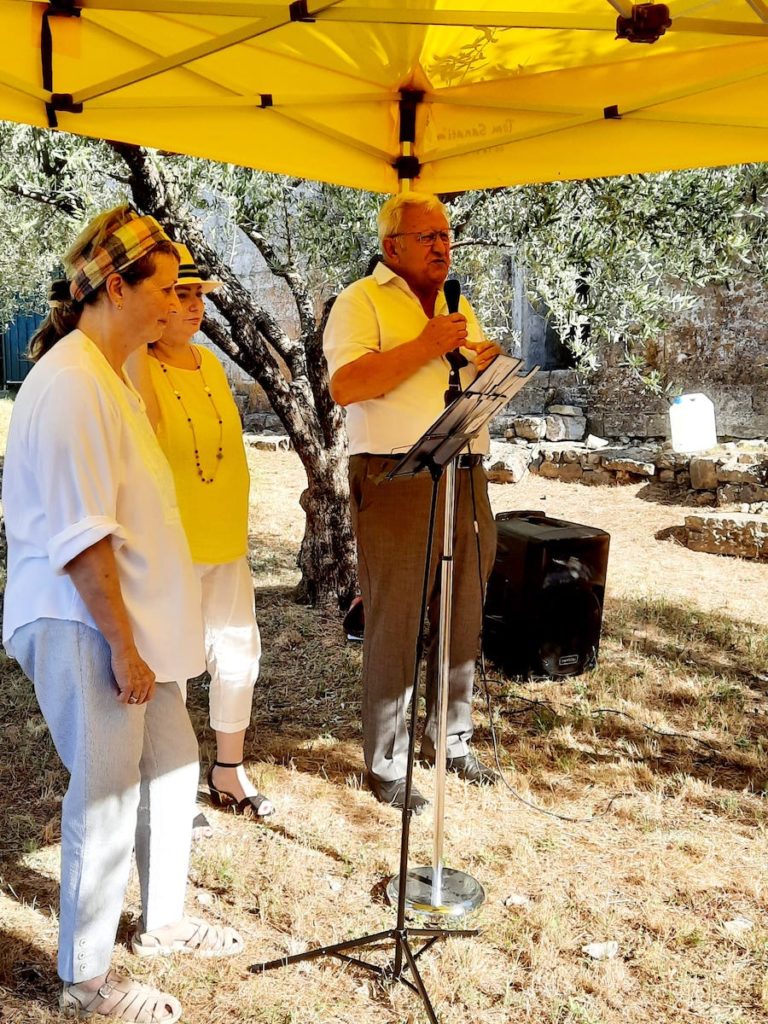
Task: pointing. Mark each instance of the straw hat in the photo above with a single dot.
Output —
(188, 272)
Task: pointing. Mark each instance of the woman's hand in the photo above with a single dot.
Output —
(135, 680)
(94, 574)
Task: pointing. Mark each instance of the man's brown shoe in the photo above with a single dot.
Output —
(468, 767)
(393, 793)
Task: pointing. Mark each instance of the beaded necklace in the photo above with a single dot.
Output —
(219, 450)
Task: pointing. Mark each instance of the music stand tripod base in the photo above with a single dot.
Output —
(459, 893)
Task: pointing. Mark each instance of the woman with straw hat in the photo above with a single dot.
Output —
(102, 612)
(198, 426)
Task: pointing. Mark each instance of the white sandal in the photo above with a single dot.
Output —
(121, 998)
(205, 941)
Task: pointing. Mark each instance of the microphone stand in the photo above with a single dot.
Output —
(405, 957)
(439, 890)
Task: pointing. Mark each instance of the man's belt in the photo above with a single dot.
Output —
(463, 462)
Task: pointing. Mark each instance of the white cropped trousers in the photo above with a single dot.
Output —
(232, 642)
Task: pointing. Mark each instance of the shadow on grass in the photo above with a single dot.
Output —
(306, 716)
(683, 636)
(713, 725)
(30, 887)
(27, 976)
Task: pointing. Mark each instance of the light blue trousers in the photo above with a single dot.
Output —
(133, 780)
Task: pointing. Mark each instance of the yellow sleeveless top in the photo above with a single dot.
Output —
(215, 514)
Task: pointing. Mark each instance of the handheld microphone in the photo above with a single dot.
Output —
(452, 292)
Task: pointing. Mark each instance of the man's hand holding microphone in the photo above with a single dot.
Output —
(444, 334)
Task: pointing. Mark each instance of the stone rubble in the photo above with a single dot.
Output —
(728, 533)
(732, 477)
(267, 442)
(544, 432)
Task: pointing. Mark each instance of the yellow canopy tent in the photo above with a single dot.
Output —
(374, 93)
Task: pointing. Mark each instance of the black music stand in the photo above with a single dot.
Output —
(435, 451)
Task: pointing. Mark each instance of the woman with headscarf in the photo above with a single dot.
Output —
(102, 611)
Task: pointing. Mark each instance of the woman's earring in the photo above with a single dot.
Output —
(119, 305)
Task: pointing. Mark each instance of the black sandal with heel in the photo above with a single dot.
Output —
(228, 801)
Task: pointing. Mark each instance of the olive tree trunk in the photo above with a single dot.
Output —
(292, 372)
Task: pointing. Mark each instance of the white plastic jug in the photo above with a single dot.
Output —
(692, 422)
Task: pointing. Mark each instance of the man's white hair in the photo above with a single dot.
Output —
(391, 214)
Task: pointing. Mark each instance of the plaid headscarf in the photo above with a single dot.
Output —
(124, 246)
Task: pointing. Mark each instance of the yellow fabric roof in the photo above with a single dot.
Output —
(503, 92)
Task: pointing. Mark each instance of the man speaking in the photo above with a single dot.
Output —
(386, 343)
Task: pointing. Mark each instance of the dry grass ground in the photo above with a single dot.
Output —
(660, 753)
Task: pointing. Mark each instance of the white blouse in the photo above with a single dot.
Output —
(83, 463)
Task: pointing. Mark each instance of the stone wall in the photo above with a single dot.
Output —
(720, 348)
(733, 475)
(546, 388)
(736, 534)
(617, 406)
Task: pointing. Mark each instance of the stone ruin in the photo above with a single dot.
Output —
(731, 478)
(728, 533)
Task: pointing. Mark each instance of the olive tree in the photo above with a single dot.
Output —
(611, 259)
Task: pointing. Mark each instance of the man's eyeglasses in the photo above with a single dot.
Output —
(427, 238)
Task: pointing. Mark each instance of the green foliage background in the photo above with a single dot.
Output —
(612, 260)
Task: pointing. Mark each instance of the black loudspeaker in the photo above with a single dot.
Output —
(544, 605)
